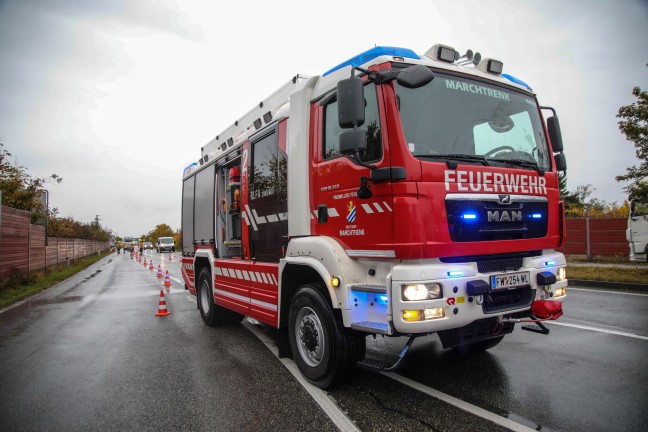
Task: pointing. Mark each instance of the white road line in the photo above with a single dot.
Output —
(177, 280)
(480, 412)
(606, 291)
(596, 329)
(319, 396)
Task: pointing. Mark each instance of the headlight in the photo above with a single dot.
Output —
(562, 274)
(422, 291)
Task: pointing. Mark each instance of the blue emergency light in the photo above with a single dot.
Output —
(373, 53)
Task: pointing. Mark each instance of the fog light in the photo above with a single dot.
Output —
(562, 274)
(412, 315)
(560, 292)
(436, 313)
(335, 281)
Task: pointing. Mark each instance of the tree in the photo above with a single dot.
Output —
(634, 125)
(19, 189)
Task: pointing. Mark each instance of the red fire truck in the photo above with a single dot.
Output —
(396, 194)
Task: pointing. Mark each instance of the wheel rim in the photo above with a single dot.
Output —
(205, 298)
(311, 341)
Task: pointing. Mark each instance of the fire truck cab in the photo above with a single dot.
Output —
(396, 194)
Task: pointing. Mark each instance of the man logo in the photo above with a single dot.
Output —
(504, 216)
(504, 199)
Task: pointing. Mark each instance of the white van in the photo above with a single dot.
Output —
(637, 232)
(165, 244)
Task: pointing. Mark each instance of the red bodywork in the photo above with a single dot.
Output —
(409, 216)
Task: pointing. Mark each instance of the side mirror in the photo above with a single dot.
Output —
(352, 141)
(351, 103)
(561, 162)
(414, 76)
(553, 126)
(632, 207)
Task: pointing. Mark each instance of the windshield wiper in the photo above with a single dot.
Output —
(456, 157)
(522, 163)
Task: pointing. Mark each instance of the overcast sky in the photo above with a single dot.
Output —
(117, 97)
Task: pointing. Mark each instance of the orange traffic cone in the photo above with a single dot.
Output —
(159, 273)
(167, 280)
(170, 257)
(162, 309)
(145, 264)
(151, 265)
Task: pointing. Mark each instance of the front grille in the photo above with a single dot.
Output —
(500, 301)
(499, 265)
(477, 220)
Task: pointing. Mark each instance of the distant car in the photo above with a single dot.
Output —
(165, 244)
(148, 245)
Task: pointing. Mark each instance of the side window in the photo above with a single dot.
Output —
(187, 214)
(331, 148)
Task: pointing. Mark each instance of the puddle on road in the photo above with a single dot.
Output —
(56, 300)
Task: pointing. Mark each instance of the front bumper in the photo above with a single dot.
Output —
(456, 308)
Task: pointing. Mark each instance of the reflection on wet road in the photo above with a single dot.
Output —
(90, 354)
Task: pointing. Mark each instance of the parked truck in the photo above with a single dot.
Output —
(637, 232)
(396, 194)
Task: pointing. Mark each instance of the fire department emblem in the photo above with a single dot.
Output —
(351, 212)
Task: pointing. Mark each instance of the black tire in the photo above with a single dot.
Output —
(212, 314)
(478, 346)
(324, 350)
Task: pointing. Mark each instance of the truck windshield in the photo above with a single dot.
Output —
(166, 240)
(453, 118)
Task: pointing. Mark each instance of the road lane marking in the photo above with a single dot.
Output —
(329, 407)
(606, 291)
(473, 409)
(596, 329)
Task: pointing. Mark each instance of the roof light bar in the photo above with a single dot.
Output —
(373, 53)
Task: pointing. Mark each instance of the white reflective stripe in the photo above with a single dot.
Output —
(387, 206)
(258, 277)
(232, 273)
(254, 225)
(333, 213)
(283, 216)
(239, 275)
(371, 253)
(259, 219)
(274, 279)
(272, 218)
(367, 208)
(217, 271)
(314, 214)
(252, 277)
(263, 275)
(380, 210)
(247, 221)
(246, 275)
(232, 295)
(264, 304)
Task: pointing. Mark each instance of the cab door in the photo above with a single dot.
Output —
(363, 226)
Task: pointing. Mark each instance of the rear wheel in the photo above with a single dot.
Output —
(324, 350)
(210, 312)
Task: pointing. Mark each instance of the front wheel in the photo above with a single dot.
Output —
(212, 314)
(323, 349)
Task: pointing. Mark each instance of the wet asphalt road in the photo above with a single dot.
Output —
(89, 354)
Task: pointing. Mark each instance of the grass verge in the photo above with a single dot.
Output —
(609, 274)
(21, 288)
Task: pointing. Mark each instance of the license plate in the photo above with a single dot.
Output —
(510, 280)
